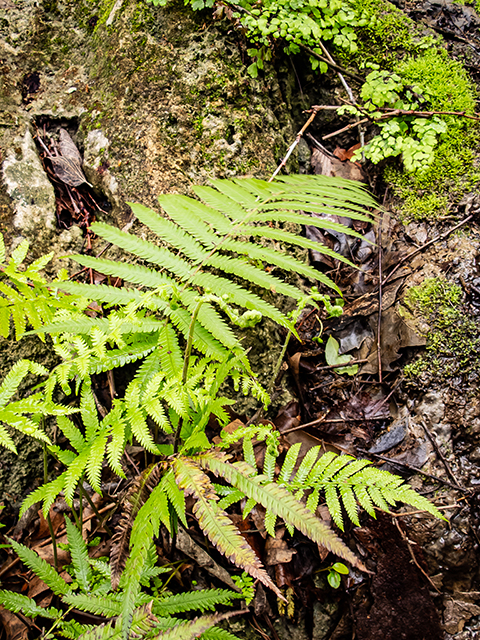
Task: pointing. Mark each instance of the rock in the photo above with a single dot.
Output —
(31, 191)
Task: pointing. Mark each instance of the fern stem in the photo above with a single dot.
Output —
(188, 350)
(278, 365)
(96, 512)
(48, 518)
(78, 520)
(186, 362)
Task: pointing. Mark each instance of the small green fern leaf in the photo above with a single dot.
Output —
(201, 600)
(79, 554)
(41, 568)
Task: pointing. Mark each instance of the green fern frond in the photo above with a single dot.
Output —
(98, 605)
(201, 600)
(277, 500)
(41, 568)
(142, 622)
(79, 554)
(216, 524)
(194, 628)
(170, 353)
(217, 633)
(170, 232)
(72, 629)
(17, 602)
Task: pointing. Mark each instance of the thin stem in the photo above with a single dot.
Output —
(278, 365)
(186, 363)
(188, 350)
(96, 512)
(78, 522)
(80, 506)
(48, 518)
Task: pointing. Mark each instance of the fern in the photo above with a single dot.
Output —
(213, 235)
(24, 415)
(276, 500)
(345, 482)
(25, 297)
(96, 597)
(204, 275)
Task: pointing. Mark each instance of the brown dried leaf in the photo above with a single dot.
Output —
(134, 500)
(277, 551)
(68, 149)
(68, 166)
(14, 628)
(216, 524)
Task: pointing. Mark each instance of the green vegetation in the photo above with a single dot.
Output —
(91, 591)
(451, 173)
(453, 339)
(412, 137)
(437, 152)
(177, 332)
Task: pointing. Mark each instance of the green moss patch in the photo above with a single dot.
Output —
(448, 87)
(453, 339)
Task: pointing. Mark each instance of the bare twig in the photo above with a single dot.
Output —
(332, 64)
(347, 128)
(339, 366)
(349, 93)
(295, 142)
(320, 421)
(432, 439)
(424, 246)
(412, 555)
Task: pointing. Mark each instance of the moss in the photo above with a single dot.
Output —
(453, 339)
(448, 88)
(388, 33)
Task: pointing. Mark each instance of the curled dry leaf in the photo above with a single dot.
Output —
(68, 166)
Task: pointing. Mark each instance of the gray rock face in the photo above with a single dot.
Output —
(31, 191)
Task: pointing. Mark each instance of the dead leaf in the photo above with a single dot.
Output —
(326, 165)
(68, 166)
(14, 628)
(186, 545)
(277, 551)
(396, 334)
(36, 587)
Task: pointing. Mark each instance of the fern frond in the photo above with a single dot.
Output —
(216, 524)
(144, 249)
(98, 605)
(277, 500)
(170, 352)
(79, 555)
(142, 622)
(201, 600)
(219, 202)
(175, 497)
(17, 602)
(137, 496)
(41, 568)
(217, 633)
(170, 232)
(194, 628)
